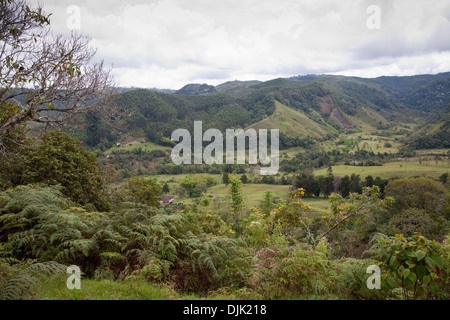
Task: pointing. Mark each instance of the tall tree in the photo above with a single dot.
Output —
(344, 186)
(237, 199)
(225, 178)
(60, 159)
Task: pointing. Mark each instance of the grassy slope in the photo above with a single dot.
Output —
(367, 119)
(292, 123)
(431, 128)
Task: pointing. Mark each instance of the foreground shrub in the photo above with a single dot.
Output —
(38, 222)
(413, 220)
(293, 272)
(20, 280)
(420, 193)
(413, 264)
(351, 279)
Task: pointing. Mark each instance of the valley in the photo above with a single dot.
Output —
(185, 150)
(362, 120)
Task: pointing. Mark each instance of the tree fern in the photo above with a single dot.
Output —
(39, 223)
(26, 277)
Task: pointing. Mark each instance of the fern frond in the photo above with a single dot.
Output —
(20, 286)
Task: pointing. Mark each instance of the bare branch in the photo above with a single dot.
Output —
(47, 79)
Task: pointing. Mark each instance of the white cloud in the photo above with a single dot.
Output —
(169, 43)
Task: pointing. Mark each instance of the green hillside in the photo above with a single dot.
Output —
(434, 134)
(315, 107)
(292, 123)
(433, 97)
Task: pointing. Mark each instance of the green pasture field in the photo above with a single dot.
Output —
(402, 169)
(253, 193)
(438, 152)
(147, 146)
(134, 289)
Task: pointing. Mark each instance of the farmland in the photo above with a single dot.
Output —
(399, 169)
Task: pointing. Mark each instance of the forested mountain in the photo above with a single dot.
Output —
(304, 107)
(435, 134)
(402, 87)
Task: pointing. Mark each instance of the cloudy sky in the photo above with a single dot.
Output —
(169, 43)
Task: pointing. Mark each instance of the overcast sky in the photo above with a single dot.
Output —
(170, 43)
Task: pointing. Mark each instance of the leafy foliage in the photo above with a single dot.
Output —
(142, 190)
(39, 223)
(19, 282)
(414, 263)
(421, 193)
(60, 159)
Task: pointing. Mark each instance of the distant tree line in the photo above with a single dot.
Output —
(316, 186)
(320, 159)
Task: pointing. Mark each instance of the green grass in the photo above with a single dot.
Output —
(137, 289)
(173, 181)
(176, 178)
(439, 152)
(391, 170)
(318, 205)
(377, 146)
(372, 143)
(291, 152)
(55, 288)
(148, 146)
(367, 119)
(253, 193)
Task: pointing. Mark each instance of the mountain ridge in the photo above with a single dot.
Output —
(338, 104)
